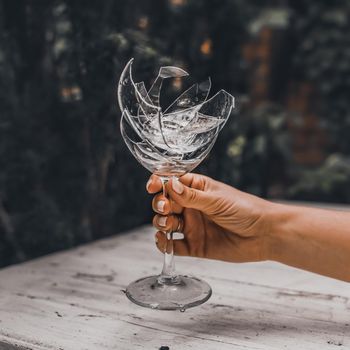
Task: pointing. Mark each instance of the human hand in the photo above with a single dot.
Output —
(220, 222)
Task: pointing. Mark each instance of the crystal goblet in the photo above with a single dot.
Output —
(170, 144)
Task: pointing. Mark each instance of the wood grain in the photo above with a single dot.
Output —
(75, 300)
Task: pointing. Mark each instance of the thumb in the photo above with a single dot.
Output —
(189, 197)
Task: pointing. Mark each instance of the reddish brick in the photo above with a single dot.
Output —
(265, 35)
(248, 52)
(312, 156)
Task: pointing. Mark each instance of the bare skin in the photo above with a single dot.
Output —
(223, 223)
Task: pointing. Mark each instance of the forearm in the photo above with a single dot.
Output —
(312, 239)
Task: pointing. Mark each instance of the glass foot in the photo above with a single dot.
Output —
(178, 293)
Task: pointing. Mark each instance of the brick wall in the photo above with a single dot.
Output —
(265, 57)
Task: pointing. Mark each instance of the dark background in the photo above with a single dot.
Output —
(66, 176)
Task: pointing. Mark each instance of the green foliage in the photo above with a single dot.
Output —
(253, 151)
(323, 57)
(328, 183)
(65, 171)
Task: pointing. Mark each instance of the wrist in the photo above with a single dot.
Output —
(279, 219)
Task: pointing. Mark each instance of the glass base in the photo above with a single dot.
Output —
(177, 293)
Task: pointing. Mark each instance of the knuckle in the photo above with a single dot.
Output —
(192, 196)
(160, 204)
(155, 221)
(163, 222)
(215, 206)
(169, 223)
(201, 180)
(154, 202)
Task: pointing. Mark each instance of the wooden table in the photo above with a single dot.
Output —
(75, 300)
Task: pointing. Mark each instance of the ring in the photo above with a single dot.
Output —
(180, 225)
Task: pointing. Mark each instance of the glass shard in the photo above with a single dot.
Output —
(195, 95)
(219, 106)
(164, 73)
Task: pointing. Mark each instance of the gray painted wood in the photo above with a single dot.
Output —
(74, 300)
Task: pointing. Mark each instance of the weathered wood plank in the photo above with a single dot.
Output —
(7, 346)
(74, 300)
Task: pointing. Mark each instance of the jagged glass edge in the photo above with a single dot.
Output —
(158, 110)
(200, 106)
(167, 158)
(204, 154)
(186, 92)
(137, 143)
(158, 82)
(127, 73)
(142, 89)
(228, 111)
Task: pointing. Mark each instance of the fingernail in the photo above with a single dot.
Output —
(156, 238)
(160, 206)
(178, 187)
(148, 183)
(162, 221)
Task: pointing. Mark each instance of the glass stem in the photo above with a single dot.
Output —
(168, 274)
